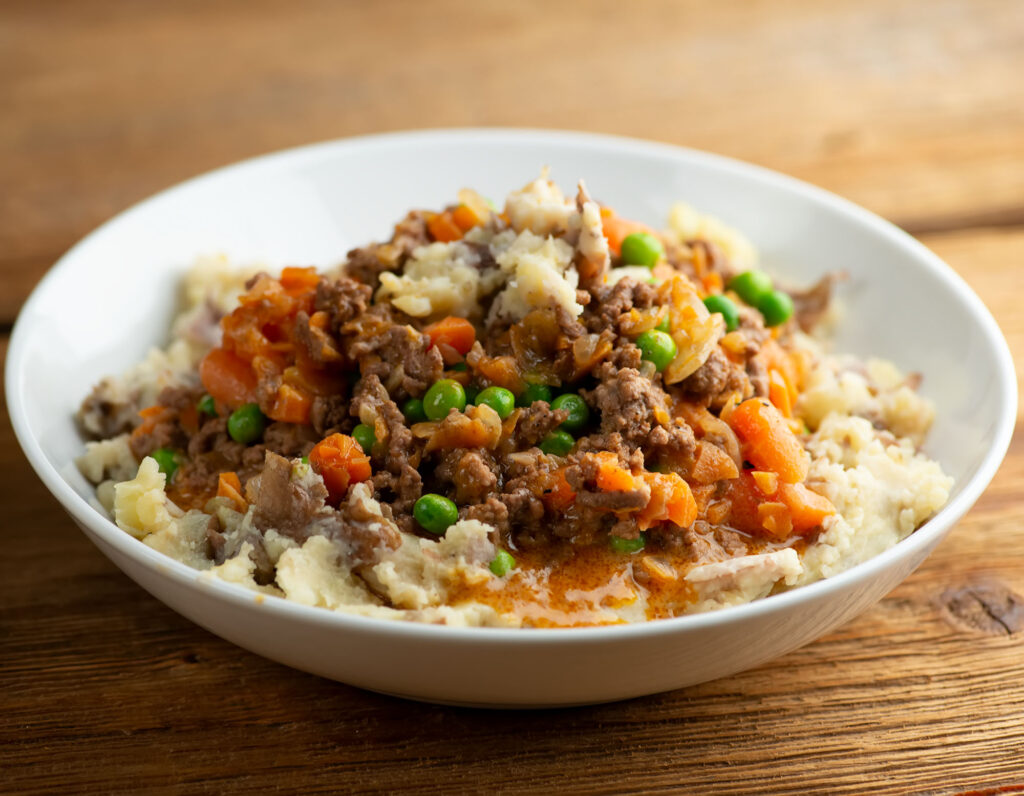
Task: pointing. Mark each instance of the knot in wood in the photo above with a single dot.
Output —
(987, 607)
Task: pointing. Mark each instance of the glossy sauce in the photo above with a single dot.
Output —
(188, 499)
(566, 586)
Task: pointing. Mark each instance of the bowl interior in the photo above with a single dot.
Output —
(113, 295)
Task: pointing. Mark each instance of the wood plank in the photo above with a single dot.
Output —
(915, 696)
(914, 110)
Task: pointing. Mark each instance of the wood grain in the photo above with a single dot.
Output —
(913, 109)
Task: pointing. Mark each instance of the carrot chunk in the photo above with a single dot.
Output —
(617, 229)
(779, 393)
(229, 486)
(228, 378)
(340, 461)
(299, 280)
(671, 500)
(611, 477)
(744, 498)
(768, 441)
(456, 332)
(291, 405)
(465, 218)
(443, 229)
(806, 508)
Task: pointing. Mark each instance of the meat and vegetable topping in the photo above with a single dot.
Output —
(603, 398)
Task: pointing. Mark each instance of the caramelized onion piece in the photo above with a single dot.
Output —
(502, 371)
(636, 322)
(712, 464)
(712, 429)
(695, 331)
(479, 427)
(535, 341)
(588, 351)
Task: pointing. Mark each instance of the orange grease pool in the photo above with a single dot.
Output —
(565, 587)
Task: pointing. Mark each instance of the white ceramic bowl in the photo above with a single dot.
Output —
(112, 296)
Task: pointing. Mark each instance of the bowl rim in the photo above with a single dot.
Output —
(929, 534)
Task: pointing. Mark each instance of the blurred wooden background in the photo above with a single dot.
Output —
(913, 109)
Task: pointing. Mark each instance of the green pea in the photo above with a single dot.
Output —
(167, 461)
(776, 307)
(246, 424)
(207, 405)
(305, 460)
(620, 545)
(413, 411)
(557, 443)
(579, 412)
(534, 392)
(459, 367)
(499, 399)
(442, 397)
(641, 248)
(503, 563)
(657, 347)
(435, 513)
(365, 436)
(724, 307)
(751, 286)
(665, 326)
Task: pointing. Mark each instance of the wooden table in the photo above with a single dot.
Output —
(913, 109)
